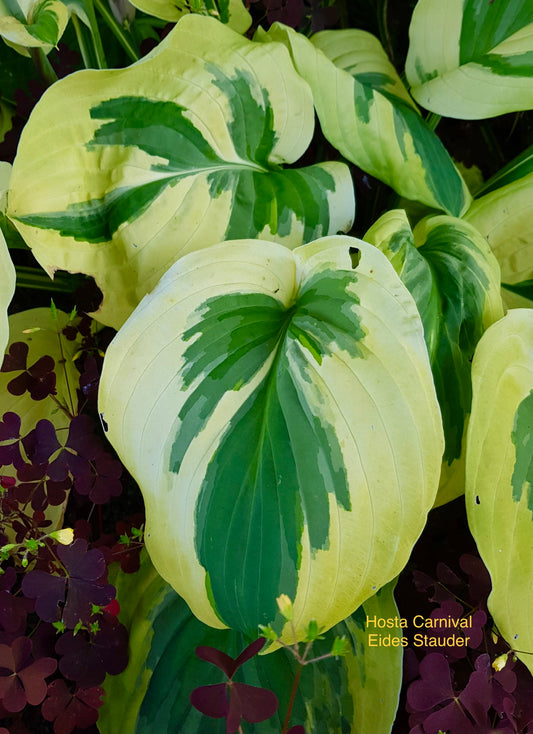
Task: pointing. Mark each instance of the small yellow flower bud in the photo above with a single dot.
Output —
(64, 536)
(285, 606)
(500, 662)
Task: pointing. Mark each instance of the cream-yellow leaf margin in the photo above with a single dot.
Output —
(471, 59)
(504, 218)
(120, 172)
(499, 473)
(7, 289)
(278, 412)
(367, 114)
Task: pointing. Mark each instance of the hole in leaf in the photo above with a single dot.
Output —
(355, 256)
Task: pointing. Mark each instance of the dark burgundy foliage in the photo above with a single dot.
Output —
(69, 594)
(14, 612)
(309, 15)
(127, 550)
(71, 708)
(86, 657)
(36, 487)
(233, 700)
(103, 482)
(457, 690)
(58, 594)
(90, 379)
(39, 379)
(81, 455)
(10, 441)
(22, 679)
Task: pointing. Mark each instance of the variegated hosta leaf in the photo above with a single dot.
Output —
(503, 216)
(455, 281)
(32, 23)
(7, 288)
(356, 693)
(366, 113)
(231, 12)
(41, 331)
(121, 172)
(499, 473)
(278, 412)
(471, 59)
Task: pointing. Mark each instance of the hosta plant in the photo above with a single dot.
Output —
(283, 419)
(298, 276)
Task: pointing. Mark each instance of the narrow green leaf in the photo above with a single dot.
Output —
(518, 168)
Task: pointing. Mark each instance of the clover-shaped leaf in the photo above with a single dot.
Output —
(233, 700)
(39, 379)
(87, 657)
(22, 679)
(434, 694)
(77, 588)
(71, 709)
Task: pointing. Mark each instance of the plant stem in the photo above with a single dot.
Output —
(118, 31)
(43, 66)
(432, 120)
(293, 696)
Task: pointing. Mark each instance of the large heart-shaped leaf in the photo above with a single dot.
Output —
(356, 693)
(471, 59)
(502, 214)
(7, 288)
(499, 473)
(32, 23)
(367, 114)
(455, 281)
(121, 172)
(278, 412)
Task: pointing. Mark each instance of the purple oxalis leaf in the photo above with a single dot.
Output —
(24, 678)
(71, 709)
(78, 590)
(87, 657)
(233, 700)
